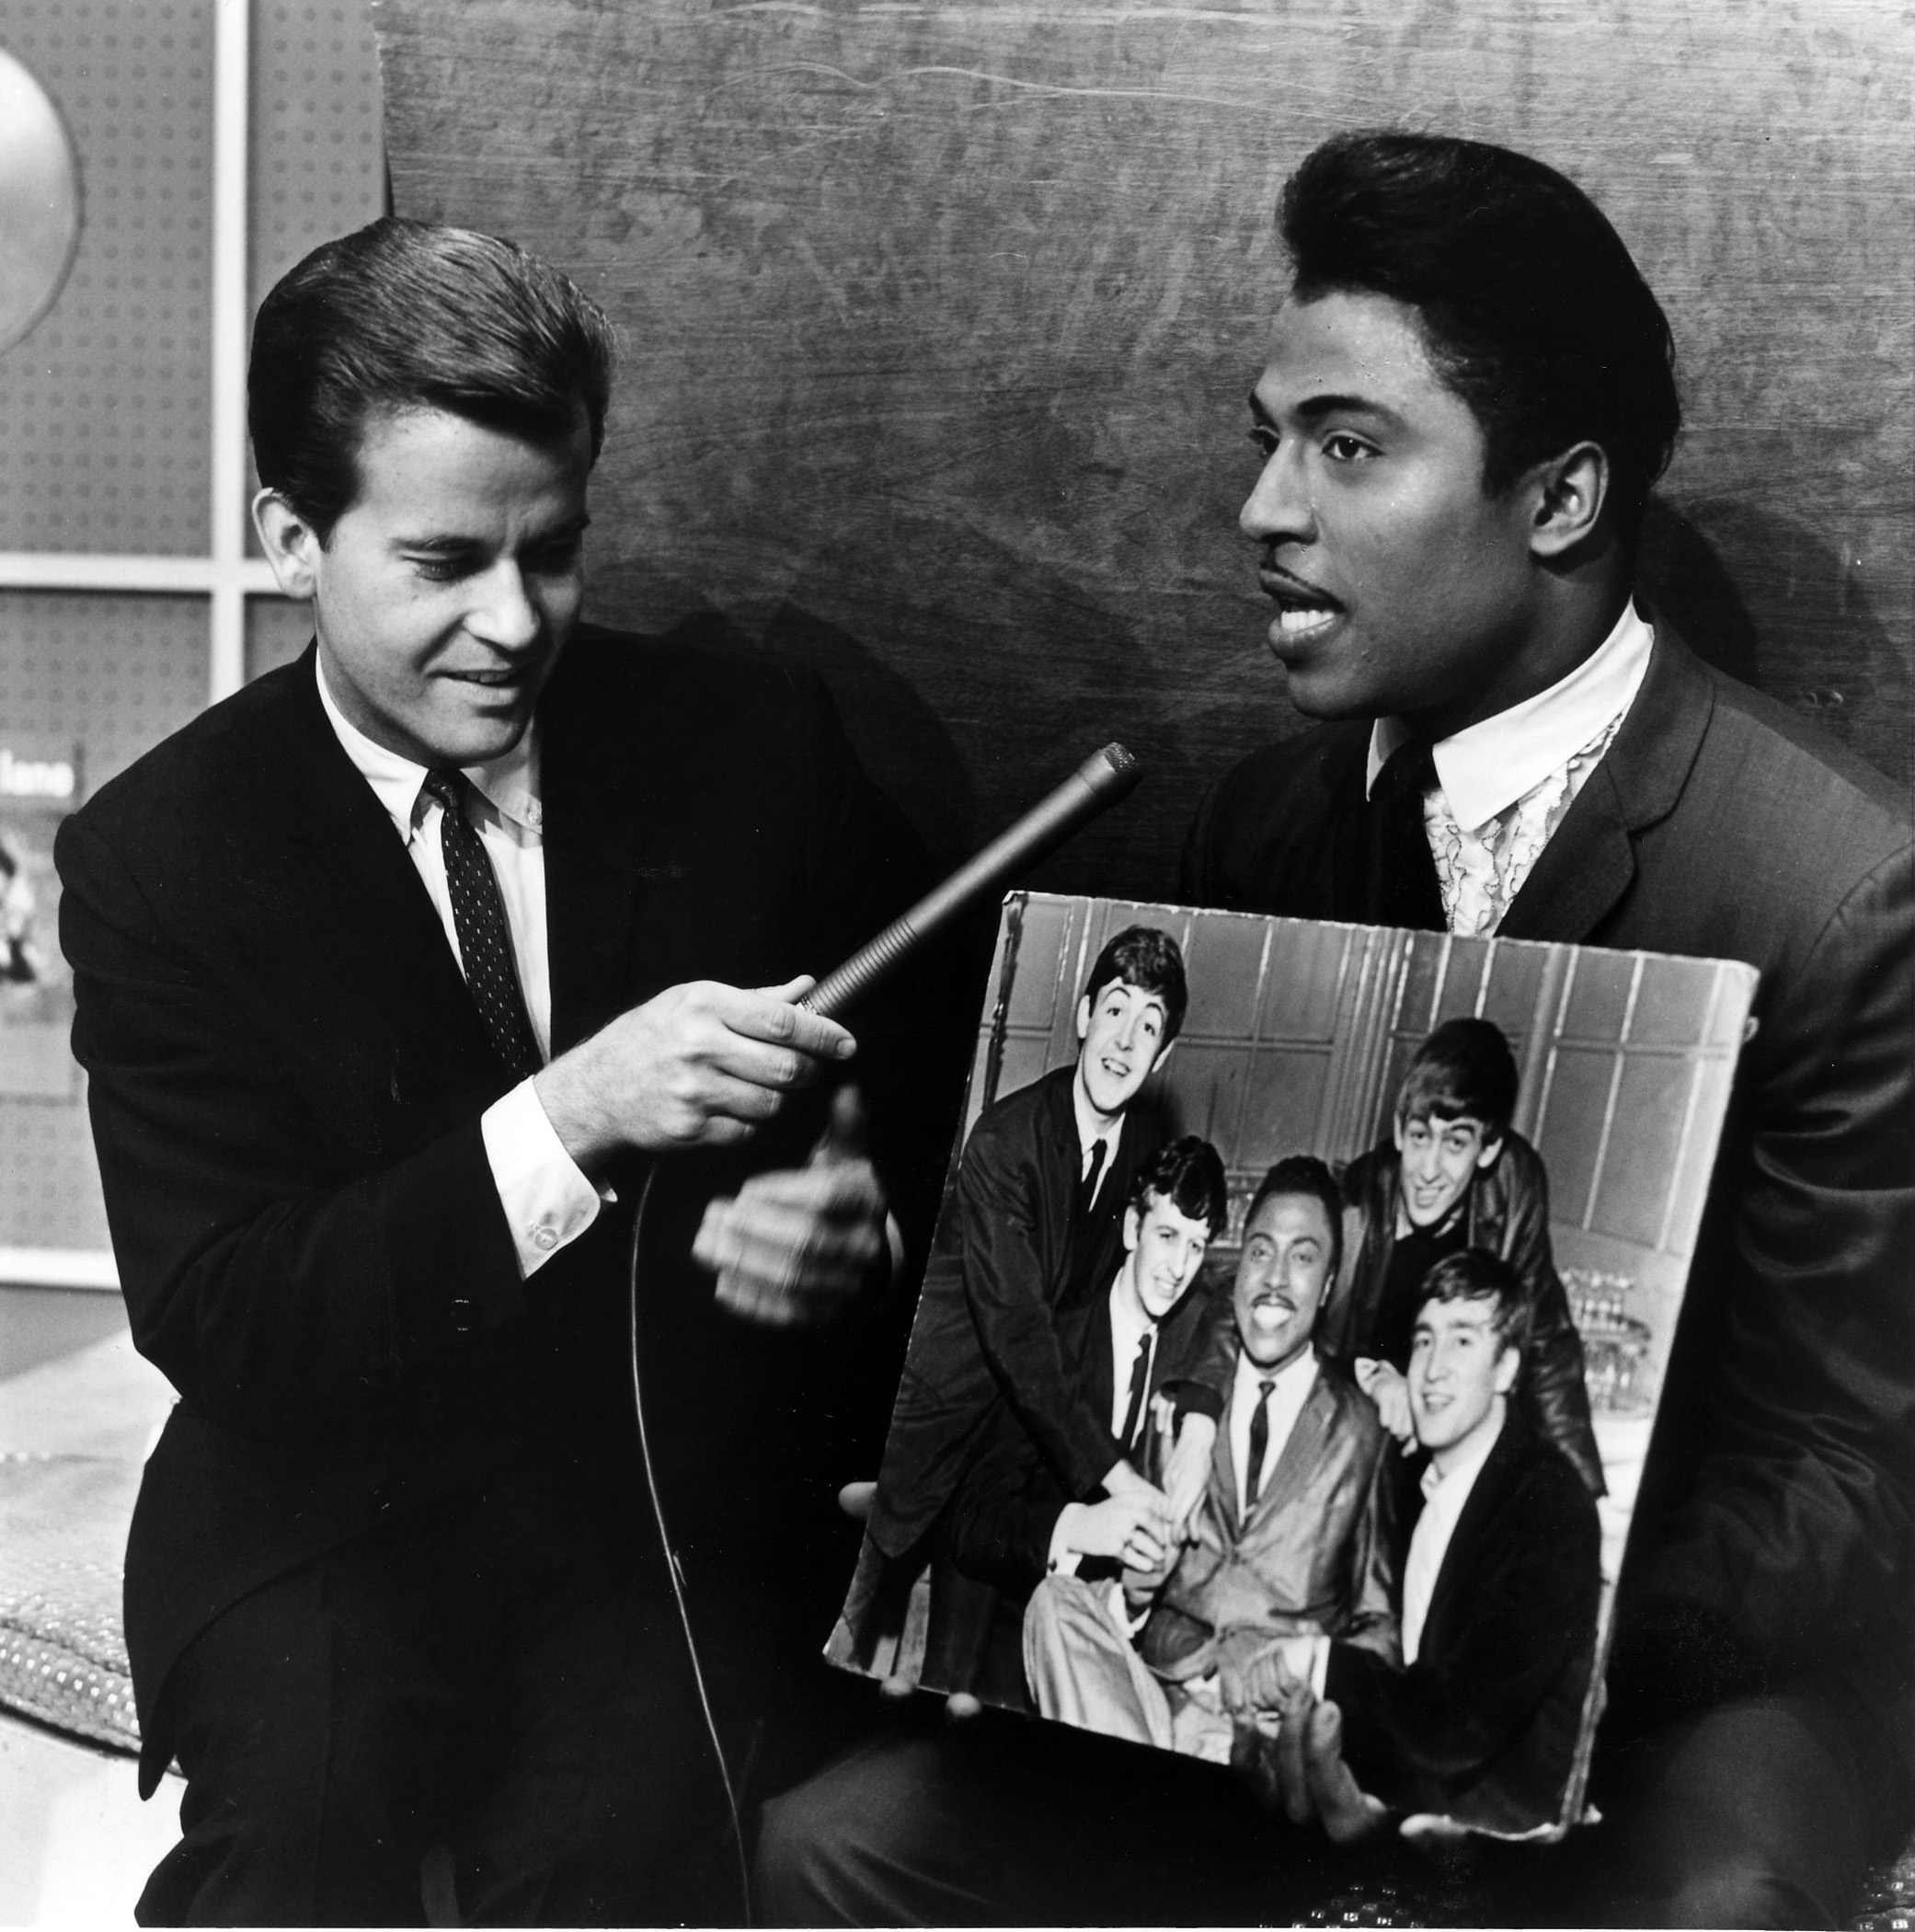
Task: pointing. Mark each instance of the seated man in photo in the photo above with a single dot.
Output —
(1293, 1535)
(1500, 1588)
(1454, 1175)
(1032, 1233)
(1012, 1522)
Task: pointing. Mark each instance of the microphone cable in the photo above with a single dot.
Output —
(672, 1566)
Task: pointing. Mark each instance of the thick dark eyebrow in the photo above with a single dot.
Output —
(1314, 408)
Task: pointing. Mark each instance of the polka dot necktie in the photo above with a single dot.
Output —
(485, 939)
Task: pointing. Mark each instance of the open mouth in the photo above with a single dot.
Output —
(1302, 610)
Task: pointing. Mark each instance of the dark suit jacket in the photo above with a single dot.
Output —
(1507, 1212)
(1007, 1506)
(286, 1079)
(1008, 1262)
(1483, 1726)
(1774, 1534)
(1316, 1556)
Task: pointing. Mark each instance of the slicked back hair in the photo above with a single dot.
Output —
(1474, 1274)
(1463, 1071)
(1189, 1175)
(1145, 957)
(1304, 1174)
(405, 315)
(1532, 309)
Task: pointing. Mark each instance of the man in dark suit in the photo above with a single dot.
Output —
(1468, 398)
(1501, 1587)
(1032, 1233)
(1454, 1174)
(1013, 1523)
(390, 970)
(1295, 1534)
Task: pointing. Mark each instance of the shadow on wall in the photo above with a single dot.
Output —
(1776, 606)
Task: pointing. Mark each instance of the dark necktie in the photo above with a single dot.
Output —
(1087, 1187)
(485, 939)
(1140, 1388)
(1259, 1447)
(1404, 890)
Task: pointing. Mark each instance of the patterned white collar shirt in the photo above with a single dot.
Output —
(1504, 785)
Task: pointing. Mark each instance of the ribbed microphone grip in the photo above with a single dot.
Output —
(1101, 779)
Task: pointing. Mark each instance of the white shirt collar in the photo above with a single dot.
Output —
(1292, 1380)
(1456, 1486)
(510, 784)
(1088, 1131)
(1487, 767)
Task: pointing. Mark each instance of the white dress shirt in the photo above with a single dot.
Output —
(1089, 1134)
(548, 1199)
(1293, 1383)
(1504, 785)
(1129, 1326)
(1443, 1498)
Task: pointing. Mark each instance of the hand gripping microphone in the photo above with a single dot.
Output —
(1100, 781)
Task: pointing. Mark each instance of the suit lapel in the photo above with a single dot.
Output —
(1588, 863)
(1100, 1371)
(372, 940)
(1480, 1509)
(595, 837)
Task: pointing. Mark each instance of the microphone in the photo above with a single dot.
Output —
(1100, 781)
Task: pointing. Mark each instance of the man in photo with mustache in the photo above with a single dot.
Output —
(1468, 396)
(1295, 1534)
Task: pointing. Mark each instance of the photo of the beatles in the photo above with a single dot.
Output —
(1293, 1335)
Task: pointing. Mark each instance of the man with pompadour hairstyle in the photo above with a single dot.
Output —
(1469, 393)
(395, 973)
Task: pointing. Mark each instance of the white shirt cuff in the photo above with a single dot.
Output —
(548, 1199)
(1062, 1556)
(1319, 1666)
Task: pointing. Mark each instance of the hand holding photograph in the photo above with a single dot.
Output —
(1292, 1338)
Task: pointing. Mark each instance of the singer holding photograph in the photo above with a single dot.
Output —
(390, 970)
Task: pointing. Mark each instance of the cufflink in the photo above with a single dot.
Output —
(543, 1239)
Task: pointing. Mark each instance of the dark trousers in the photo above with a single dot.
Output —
(1765, 1811)
(502, 1676)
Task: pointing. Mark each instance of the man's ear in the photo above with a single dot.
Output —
(291, 546)
(1508, 1365)
(1133, 1227)
(1486, 1154)
(1569, 491)
(1084, 1018)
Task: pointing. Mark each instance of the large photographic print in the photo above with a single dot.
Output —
(1293, 1333)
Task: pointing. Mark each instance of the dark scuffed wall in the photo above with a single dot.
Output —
(940, 320)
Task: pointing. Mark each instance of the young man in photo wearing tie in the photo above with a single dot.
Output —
(1012, 1522)
(1032, 1231)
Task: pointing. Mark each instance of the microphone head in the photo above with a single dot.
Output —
(1111, 772)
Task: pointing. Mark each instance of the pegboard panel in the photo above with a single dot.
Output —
(276, 630)
(319, 161)
(104, 406)
(49, 1181)
(113, 673)
(317, 152)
